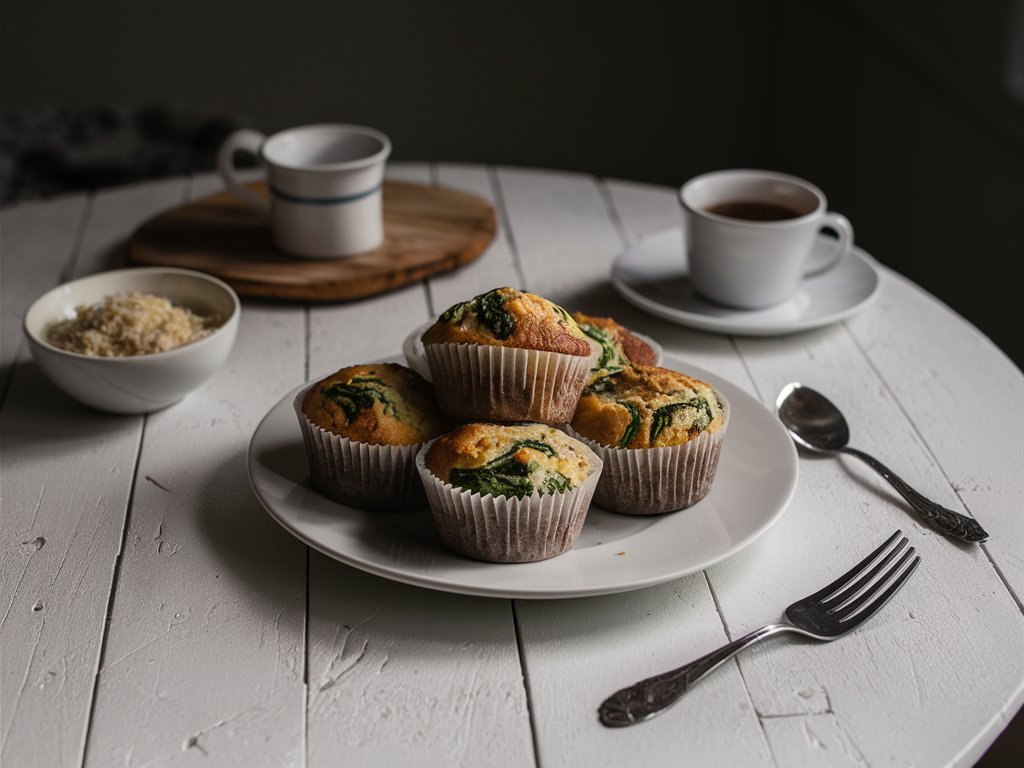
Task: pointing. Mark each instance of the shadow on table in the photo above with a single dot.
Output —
(40, 420)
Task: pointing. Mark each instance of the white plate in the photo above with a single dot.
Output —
(652, 275)
(416, 356)
(756, 478)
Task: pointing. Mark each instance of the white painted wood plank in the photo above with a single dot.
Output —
(116, 213)
(924, 677)
(931, 359)
(404, 676)
(66, 474)
(496, 266)
(564, 238)
(399, 674)
(578, 652)
(204, 659)
(642, 209)
(812, 741)
(37, 245)
(67, 471)
(416, 173)
(363, 330)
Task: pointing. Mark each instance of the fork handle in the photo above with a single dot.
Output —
(642, 701)
(938, 517)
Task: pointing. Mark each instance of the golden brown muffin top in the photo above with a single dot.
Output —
(506, 317)
(648, 407)
(612, 346)
(509, 459)
(380, 404)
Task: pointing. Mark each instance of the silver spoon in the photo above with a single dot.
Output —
(815, 423)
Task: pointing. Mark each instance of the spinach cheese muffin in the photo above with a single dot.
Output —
(362, 427)
(507, 355)
(612, 346)
(659, 433)
(508, 493)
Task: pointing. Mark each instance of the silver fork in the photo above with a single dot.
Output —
(830, 612)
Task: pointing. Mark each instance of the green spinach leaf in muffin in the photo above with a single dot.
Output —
(358, 394)
(506, 475)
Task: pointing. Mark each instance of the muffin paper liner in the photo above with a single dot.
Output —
(500, 529)
(483, 382)
(650, 481)
(360, 474)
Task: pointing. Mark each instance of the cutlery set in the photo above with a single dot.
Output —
(815, 424)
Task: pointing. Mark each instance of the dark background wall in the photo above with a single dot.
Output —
(909, 115)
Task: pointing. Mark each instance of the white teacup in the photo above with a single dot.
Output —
(750, 234)
(324, 183)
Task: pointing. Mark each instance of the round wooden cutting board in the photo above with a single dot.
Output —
(427, 230)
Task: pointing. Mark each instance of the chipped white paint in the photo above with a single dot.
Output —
(66, 476)
(204, 656)
(577, 652)
(210, 643)
(401, 675)
(40, 240)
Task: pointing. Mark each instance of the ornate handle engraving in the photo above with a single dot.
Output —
(647, 698)
(938, 517)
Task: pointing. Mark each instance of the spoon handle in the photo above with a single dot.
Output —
(938, 517)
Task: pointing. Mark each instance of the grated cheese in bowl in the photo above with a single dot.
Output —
(129, 324)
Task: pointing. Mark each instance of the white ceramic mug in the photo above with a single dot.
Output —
(324, 183)
(750, 234)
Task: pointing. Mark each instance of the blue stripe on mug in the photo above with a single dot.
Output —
(321, 200)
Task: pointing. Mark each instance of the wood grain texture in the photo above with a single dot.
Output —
(212, 659)
(577, 652)
(944, 637)
(427, 230)
(497, 266)
(67, 475)
(980, 450)
(204, 658)
(397, 674)
(39, 242)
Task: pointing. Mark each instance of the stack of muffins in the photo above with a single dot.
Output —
(532, 413)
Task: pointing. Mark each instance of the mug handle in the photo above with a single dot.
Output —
(247, 141)
(844, 229)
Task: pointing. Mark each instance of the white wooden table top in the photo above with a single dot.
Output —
(153, 614)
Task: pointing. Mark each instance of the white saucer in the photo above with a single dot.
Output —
(756, 479)
(416, 356)
(652, 275)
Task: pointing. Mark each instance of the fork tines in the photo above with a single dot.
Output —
(871, 582)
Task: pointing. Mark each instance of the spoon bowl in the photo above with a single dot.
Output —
(815, 423)
(812, 419)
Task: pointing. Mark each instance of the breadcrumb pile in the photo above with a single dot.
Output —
(128, 324)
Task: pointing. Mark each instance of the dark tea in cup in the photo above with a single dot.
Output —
(755, 210)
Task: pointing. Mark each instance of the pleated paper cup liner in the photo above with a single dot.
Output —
(500, 529)
(652, 481)
(379, 477)
(488, 383)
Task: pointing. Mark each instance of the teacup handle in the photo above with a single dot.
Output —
(244, 140)
(844, 229)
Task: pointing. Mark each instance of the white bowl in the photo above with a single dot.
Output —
(416, 355)
(141, 383)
